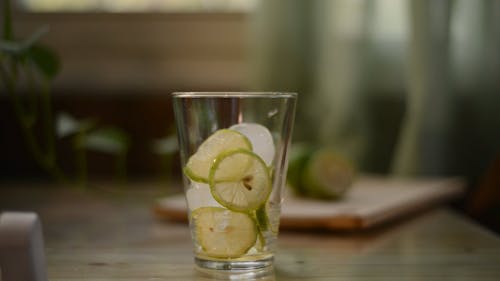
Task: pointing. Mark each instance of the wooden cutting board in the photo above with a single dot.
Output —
(370, 201)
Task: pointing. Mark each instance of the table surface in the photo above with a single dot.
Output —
(109, 234)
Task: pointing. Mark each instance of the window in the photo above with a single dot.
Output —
(137, 6)
(146, 45)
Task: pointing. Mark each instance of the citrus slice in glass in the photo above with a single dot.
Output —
(222, 233)
(262, 218)
(239, 180)
(199, 164)
(268, 217)
(261, 139)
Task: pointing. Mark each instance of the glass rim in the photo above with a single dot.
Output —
(234, 95)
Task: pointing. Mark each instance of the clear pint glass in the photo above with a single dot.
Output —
(233, 149)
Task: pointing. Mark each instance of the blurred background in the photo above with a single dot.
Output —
(398, 87)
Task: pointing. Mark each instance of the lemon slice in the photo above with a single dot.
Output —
(223, 233)
(199, 164)
(240, 181)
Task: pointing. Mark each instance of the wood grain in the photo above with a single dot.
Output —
(370, 202)
(95, 235)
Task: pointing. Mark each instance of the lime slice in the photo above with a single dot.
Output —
(239, 180)
(261, 139)
(268, 217)
(199, 164)
(260, 244)
(262, 219)
(222, 233)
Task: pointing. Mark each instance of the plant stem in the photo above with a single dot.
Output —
(18, 111)
(32, 98)
(121, 167)
(45, 162)
(48, 122)
(7, 21)
(81, 157)
(26, 119)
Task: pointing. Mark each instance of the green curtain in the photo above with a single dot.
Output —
(404, 87)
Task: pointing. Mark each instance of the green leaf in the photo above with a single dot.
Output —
(45, 60)
(166, 145)
(67, 125)
(22, 48)
(35, 36)
(12, 48)
(107, 140)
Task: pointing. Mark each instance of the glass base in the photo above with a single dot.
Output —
(234, 265)
(261, 270)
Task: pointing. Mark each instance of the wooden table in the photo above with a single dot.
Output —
(112, 235)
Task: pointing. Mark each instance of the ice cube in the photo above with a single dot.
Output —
(261, 139)
(198, 195)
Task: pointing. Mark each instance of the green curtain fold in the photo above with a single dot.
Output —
(403, 87)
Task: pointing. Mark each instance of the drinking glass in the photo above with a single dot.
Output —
(233, 149)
